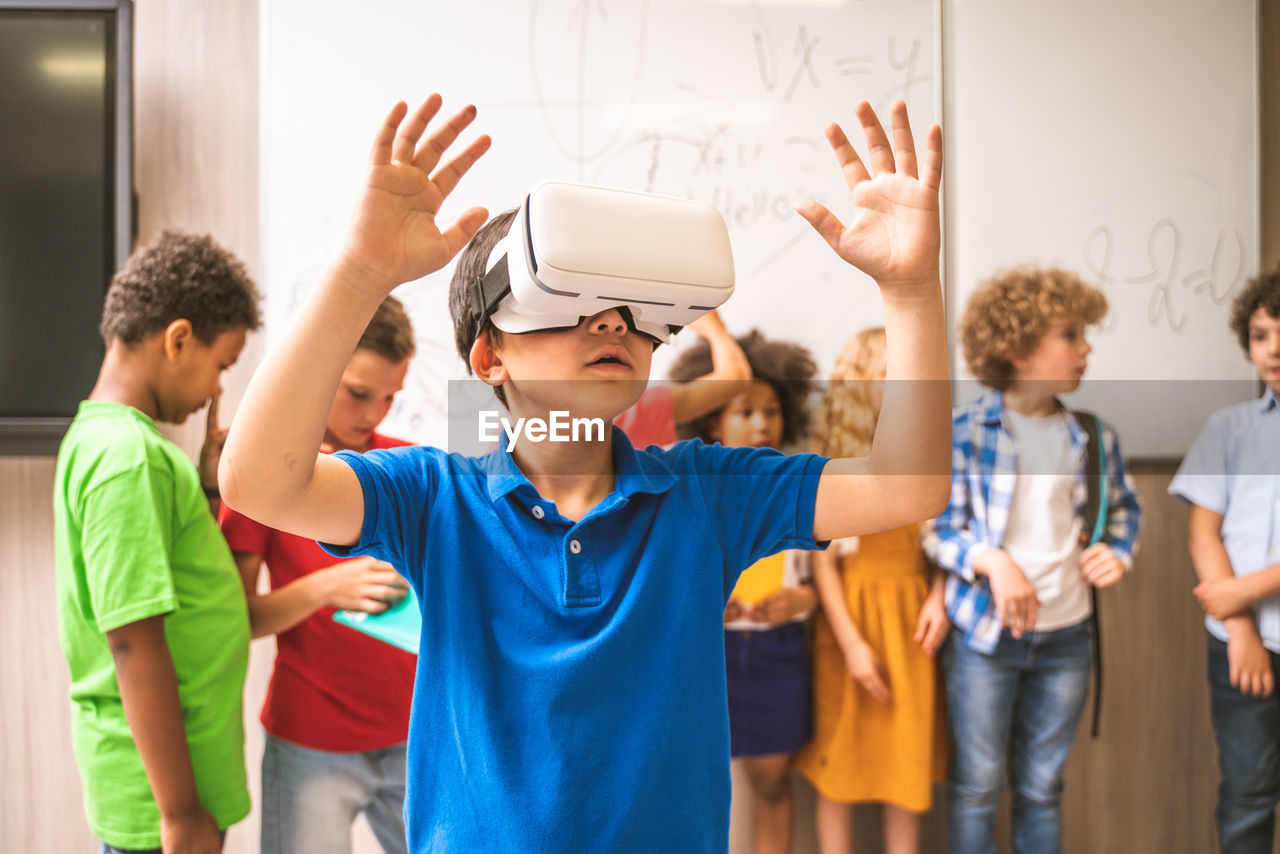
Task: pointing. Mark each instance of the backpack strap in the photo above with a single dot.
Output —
(1095, 521)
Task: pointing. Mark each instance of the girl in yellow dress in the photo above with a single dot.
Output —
(879, 735)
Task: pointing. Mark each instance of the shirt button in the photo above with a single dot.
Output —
(575, 546)
(537, 511)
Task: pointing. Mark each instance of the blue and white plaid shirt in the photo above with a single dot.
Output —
(984, 470)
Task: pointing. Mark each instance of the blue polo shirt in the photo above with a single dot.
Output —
(1233, 469)
(570, 692)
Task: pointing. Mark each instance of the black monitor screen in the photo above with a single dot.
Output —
(57, 218)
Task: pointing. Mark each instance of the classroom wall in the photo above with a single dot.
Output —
(1146, 785)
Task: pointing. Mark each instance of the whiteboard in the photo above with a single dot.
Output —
(1119, 140)
(720, 101)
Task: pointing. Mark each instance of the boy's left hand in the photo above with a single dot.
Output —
(895, 236)
(1100, 566)
(1222, 597)
(214, 439)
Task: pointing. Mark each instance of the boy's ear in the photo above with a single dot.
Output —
(486, 362)
(176, 337)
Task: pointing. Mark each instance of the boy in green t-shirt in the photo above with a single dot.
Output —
(151, 612)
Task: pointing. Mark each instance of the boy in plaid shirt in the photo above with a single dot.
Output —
(1013, 542)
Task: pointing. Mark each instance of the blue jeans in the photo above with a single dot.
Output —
(1024, 701)
(311, 797)
(1248, 732)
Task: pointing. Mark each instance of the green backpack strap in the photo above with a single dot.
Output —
(1095, 521)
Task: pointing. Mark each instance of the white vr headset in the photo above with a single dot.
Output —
(574, 251)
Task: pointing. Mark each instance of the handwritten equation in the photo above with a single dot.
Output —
(1176, 277)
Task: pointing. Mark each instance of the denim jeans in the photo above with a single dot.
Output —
(311, 797)
(1023, 701)
(1248, 732)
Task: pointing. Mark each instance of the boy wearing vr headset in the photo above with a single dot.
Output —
(571, 682)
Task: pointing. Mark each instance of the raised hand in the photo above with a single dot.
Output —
(895, 236)
(394, 237)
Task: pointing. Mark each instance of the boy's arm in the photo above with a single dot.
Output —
(1250, 665)
(271, 468)
(730, 374)
(895, 238)
(149, 693)
(1110, 559)
(358, 584)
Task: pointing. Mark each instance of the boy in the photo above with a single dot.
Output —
(1231, 479)
(1018, 662)
(570, 691)
(151, 613)
(337, 708)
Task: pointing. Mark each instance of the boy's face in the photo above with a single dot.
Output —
(597, 369)
(1264, 347)
(1058, 361)
(369, 384)
(753, 419)
(194, 372)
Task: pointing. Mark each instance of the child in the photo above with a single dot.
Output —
(1231, 479)
(1018, 660)
(337, 706)
(151, 613)
(570, 692)
(766, 647)
(881, 622)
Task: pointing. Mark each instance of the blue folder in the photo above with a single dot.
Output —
(400, 625)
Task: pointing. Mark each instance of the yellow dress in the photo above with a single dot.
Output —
(863, 751)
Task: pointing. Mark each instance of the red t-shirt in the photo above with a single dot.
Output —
(651, 419)
(332, 688)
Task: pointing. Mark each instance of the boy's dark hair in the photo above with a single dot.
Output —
(1262, 291)
(389, 333)
(788, 367)
(471, 266)
(178, 276)
(1008, 315)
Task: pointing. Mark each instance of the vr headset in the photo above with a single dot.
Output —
(574, 251)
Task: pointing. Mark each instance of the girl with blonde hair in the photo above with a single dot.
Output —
(879, 736)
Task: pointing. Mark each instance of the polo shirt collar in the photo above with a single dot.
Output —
(635, 472)
(1268, 402)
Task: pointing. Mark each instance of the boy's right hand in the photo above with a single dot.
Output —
(1248, 660)
(393, 236)
(363, 584)
(195, 832)
(1016, 602)
(895, 235)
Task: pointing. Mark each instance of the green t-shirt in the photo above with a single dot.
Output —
(134, 538)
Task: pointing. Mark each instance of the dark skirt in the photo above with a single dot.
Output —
(770, 690)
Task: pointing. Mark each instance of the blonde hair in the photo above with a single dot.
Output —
(1009, 313)
(846, 420)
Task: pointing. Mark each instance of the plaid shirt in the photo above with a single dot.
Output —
(984, 470)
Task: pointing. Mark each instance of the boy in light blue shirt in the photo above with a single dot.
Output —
(1231, 479)
(570, 687)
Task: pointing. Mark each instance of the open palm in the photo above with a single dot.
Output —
(394, 234)
(894, 236)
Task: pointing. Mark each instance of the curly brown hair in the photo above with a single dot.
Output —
(847, 417)
(389, 333)
(1009, 313)
(1262, 291)
(788, 367)
(179, 276)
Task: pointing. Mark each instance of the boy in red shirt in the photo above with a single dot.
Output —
(337, 707)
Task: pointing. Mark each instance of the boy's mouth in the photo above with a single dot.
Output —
(611, 356)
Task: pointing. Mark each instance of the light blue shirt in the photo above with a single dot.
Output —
(1233, 468)
(570, 692)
